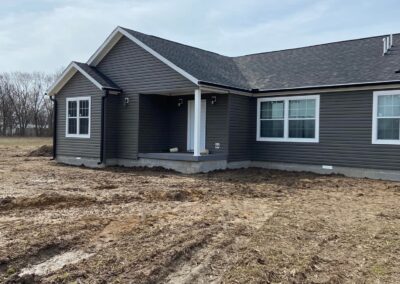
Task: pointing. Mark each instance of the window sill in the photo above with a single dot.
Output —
(386, 142)
(288, 140)
(77, 136)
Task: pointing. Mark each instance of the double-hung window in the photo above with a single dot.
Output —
(78, 117)
(288, 119)
(386, 117)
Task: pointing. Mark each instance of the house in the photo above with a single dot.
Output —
(328, 108)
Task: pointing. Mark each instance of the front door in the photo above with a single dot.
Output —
(190, 126)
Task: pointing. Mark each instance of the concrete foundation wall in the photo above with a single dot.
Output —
(192, 167)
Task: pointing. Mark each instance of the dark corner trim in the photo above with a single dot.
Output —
(103, 127)
(54, 126)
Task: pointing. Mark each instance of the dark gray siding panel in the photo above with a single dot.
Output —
(163, 124)
(136, 71)
(153, 123)
(178, 123)
(112, 106)
(345, 137)
(217, 123)
(239, 128)
(79, 147)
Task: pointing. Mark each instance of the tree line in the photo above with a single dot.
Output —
(25, 110)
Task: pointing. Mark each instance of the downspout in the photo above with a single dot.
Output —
(103, 127)
(54, 126)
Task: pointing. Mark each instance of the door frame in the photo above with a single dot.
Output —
(189, 116)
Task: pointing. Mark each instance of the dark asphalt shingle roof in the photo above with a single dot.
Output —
(99, 77)
(203, 65)
(346, 62)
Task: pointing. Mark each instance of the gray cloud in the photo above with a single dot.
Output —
(45, 35)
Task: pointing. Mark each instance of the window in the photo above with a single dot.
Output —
(288, 119)
(78, 117)
(386, 117)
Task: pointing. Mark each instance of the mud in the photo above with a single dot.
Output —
(61, 224)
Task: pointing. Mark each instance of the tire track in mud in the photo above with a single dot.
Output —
(209, 263)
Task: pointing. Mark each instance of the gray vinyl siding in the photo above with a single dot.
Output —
(345, 137)
(136, 71)
(79, 147)
(163, 124)
(112, 107)
(153, 123)
(178, 122)
(240, 124)
(217, 123)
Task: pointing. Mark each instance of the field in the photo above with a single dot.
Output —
(61, 224)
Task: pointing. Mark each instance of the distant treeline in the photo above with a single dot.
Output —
(25, 110)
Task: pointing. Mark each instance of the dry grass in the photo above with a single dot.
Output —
(25, 141)
(148, 226)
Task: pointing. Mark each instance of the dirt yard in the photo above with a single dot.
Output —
(61, 224)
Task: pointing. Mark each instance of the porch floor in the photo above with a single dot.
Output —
(183, 157)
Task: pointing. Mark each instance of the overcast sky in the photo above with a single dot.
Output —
(45, 35)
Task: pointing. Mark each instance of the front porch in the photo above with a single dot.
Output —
(194, 125)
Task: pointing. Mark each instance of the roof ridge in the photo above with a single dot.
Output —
(314, 45)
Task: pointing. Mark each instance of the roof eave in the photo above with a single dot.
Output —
(68, 73)
(361, 84)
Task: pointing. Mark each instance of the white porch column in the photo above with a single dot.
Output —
(197, 121)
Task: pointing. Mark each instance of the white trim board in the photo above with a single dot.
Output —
(190, 122)
(375, 139)
(286, 137)
(116, 36)
(78, 116)
(68, 73)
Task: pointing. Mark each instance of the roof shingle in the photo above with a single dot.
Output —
(340, 63)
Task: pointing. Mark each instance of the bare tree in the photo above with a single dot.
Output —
(19, 96)
(39, 103)
(23, 103)
(6, 111)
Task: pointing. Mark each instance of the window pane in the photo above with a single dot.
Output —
(72, 109)
(389, 106)
(84, 108)
(72, 125)
(271, 128)
(302, 108)
(302, 128)
(273, 109)
(83, 126)
(388, 128)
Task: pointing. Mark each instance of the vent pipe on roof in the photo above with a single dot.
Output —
(387, 43)
(384, 46)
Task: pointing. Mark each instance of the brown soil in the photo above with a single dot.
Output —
(146, 226)
(42, 151)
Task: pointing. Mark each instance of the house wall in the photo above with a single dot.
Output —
(163, 124)
(344, 138)
(113, 105)
(240, 125)
(79, 147)
(135, 71)
(153, 123)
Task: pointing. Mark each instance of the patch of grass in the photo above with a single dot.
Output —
(25, 141)
(11, 271)
(379, 270)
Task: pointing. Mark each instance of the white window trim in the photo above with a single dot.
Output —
(286, 137)
(77, 135)
(375, 139)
